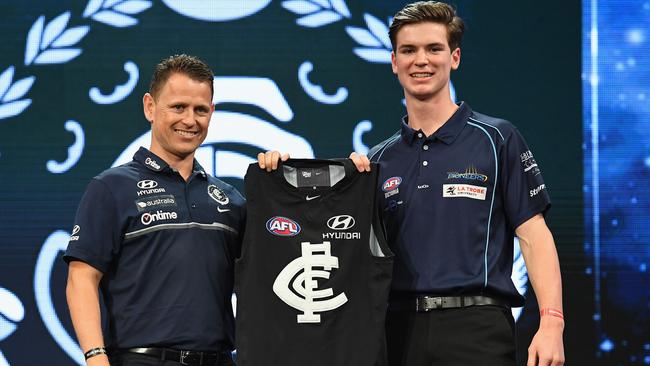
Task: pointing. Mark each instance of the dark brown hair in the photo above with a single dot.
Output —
(429, 11)
(189, 65)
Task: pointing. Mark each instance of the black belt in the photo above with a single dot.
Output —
(423, 304)
(190, 358)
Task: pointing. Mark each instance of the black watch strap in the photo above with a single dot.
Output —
(95, 352)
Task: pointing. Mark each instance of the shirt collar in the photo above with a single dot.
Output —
(198, 169)
(447, 133)
(157, 164)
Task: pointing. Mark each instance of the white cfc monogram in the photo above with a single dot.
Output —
(304, 271)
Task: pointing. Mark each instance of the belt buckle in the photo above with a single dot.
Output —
(186, 358)
(428, 303)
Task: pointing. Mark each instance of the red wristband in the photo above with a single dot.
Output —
(552, 312)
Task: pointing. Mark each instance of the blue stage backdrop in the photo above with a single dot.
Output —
(616, 85)
(313, 78)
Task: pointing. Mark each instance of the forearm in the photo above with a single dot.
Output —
(540, 254)
(83, 302)
(538, 249)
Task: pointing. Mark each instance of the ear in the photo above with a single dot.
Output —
(455, 59)
(393, 62)
(148, 105)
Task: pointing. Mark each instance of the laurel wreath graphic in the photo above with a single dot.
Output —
(317, 13)
(54, 43)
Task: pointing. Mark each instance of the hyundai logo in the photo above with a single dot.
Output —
(147, 184)
(341, 222)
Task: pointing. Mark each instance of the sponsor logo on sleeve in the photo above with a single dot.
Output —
(534, 192)
(218, 195)
(464, 190)
(282, 226)
(75, 231)
(144, 204)
(149, 218)
(529, 164)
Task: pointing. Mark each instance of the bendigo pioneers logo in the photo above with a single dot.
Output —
(301, 271)
(471, 173)
(282, 226)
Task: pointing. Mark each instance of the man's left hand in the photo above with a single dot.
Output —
(547, 348)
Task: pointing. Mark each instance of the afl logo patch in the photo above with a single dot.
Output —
(218, 194)
(391, 183)
(282, 226)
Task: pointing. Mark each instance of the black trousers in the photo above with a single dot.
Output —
(475, 335)
(133, 359)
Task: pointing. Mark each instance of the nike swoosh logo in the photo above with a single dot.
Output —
(223, 209)
(309, 198)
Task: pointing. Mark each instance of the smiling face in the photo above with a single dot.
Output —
(422, 60)
(179, 116)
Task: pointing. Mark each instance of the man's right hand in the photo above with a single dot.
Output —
(269, 160)
(361, 162)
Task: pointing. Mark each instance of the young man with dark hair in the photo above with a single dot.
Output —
(458, 186)
(158, 237)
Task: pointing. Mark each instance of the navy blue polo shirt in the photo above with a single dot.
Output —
(452, 201)
(166, 249)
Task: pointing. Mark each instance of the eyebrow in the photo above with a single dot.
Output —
(427, 45)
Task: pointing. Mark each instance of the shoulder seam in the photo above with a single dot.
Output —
(488, 125)
(386, 145)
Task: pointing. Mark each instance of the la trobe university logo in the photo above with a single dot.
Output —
(301, 274)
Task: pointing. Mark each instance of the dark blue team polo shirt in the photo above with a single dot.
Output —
(166, 249)
(452, 201)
